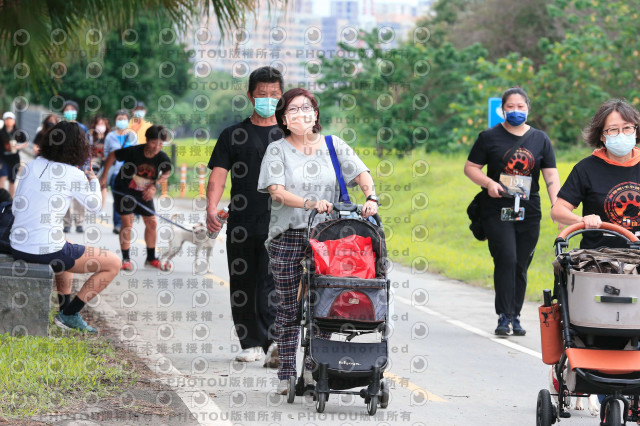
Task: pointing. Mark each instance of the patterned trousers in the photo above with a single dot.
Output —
(285, 253)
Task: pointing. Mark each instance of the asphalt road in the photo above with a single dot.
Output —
(447, 367)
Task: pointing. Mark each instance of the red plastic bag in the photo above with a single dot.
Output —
(350, 256)
(353, 304)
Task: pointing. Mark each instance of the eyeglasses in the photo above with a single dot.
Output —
(614, 131)
(303, 108)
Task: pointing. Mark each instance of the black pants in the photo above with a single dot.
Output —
(511, 245)
(252, 291)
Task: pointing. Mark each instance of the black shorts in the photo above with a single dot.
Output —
(10, 169)
(61, 260)
(128, 204)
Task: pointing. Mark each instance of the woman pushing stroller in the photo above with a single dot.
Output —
(298, 173)
(607, 183)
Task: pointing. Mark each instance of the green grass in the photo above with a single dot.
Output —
(40, 375)
(449, 248)
(193, 153)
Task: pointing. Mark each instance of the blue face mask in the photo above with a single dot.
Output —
(265, 107)
(70, 115)
(122, 124)
(621, 144)
(516, 118)
(139, 113)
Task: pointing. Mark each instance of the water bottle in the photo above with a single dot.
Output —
(223, 215)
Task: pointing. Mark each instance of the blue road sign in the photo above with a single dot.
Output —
(495, 115)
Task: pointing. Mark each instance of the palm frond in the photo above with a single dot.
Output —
(41, 20)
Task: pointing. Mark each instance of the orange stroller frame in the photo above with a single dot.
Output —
(614, 373)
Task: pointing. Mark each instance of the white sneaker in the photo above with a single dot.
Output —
(250, 354)
(272, 360)
(308, 378)
(283, 387)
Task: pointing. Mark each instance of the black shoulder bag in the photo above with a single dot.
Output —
(6, 222)
(474, 209)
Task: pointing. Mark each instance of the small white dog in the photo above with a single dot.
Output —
(593, 403)
(198, 237)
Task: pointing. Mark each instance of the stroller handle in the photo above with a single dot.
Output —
(357, 208)
(606, 226)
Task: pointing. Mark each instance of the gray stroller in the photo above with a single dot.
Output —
(345, 307)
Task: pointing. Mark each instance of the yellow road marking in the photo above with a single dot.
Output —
(218, 279)
(412, 387)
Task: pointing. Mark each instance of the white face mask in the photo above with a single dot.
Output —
(122, 124)
(301, 124)
(621, 144)
(101, 128)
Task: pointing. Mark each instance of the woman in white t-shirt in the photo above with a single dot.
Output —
(298, 173)
(46, 188)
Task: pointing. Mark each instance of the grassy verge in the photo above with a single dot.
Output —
(424, 199)
(193, 154)
(450, 248)
(40, 375)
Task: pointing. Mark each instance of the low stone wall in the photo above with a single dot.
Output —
(25, 297)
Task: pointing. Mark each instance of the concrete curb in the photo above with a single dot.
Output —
(197, 401)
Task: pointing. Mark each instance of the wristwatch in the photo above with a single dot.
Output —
(374, 198)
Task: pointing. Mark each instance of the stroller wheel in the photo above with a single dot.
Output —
(384, 395)
(372, 405)
(544, 409)
(321, 400)
(291, 394)
(612, 413)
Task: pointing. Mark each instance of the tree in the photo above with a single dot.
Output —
(134, 68)
(33, 33)
(596, 60)
(444, 15)
(398, 99)
(211, 103)
(506, 26)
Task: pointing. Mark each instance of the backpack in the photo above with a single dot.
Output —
(6, 222)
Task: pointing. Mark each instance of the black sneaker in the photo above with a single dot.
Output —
(66, 229)
(517, 328)
(79, 229)
(503, 325)
(116, 230)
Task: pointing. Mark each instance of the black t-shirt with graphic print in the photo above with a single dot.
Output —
(536, 153)
(138, 171)
(240, 149)
(609, 191)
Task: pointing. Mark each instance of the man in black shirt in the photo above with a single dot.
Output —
(240, 149)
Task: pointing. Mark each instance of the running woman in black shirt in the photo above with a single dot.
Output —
(512, 243)
(607, 183)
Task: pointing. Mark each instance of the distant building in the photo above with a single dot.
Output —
(293, 41)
